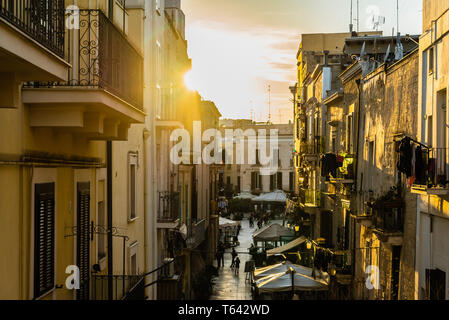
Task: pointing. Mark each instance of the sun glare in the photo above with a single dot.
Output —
(189, 81)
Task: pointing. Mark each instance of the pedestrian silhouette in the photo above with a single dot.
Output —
(237, 265)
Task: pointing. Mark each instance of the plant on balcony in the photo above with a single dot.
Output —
(391, 199)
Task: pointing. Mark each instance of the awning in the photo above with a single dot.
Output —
(286, 247)
(225, 223)
(279, 278)
(273, 232)
(278, 196)
(245, 196)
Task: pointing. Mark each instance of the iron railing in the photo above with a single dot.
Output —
(389, 216)
(102, 58)
(438, 167)
(196, 233)
(124, 287)
(310, 198)
(168, 207)
(314, 147)
(42, 20)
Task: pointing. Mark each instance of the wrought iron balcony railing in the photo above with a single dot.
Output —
(41, 20)
(102, 58)
(310, 198)
(312, 148)
(438, 171)
(168, 207)
(124, 287)
(388, 216)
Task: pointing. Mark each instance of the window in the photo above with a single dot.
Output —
(430, 130)
(239, 184)
(102, 221)
(279, 181)
(291, 181)
(44, 238)
(133, 266)
(431, 60)
(333, 140)
(350, 133)
(256, 181)
(257, 157)
(298, 129)
(132, 185)
(372, 164)
(272, 182)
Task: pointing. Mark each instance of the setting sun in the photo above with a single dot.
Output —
(189, 81)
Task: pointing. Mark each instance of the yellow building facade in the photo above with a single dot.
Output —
(71, 149)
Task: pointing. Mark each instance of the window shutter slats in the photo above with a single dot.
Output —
(44, 238)
(83, 239)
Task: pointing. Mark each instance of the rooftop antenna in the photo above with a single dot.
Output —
(269, 103)
(351, 25)
(397, 14)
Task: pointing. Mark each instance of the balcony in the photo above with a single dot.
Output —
(32, 42)
(168, 210)
(388, 219)
(311, 150)
(435, 180)
(309, 199)
(196, 233)
(124, 287)
(345, 174)
(103, 92)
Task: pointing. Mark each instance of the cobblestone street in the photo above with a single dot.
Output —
(228, 286)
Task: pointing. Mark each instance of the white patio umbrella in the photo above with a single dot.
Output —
(288, 277)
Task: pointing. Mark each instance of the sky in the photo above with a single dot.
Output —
(240, 47)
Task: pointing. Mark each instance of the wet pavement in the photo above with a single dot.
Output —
(228, 285)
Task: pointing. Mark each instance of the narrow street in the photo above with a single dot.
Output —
(228, 286)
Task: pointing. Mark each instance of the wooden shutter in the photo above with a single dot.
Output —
(272, 182)
(279, 181)
(253, 181)
(44, 238)
(83, 238)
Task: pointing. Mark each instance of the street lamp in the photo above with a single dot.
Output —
(297, 228)
(309, 245)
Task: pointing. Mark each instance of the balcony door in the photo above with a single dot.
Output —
(83, 238)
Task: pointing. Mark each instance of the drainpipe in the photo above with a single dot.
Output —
(110, 223)
(358, 82)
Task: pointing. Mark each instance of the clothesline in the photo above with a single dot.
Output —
(413, 140)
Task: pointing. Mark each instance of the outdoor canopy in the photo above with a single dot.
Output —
(245, 196)
(278, 196)
(224, 223)
(273, 232)
(286, 247)
(279, 278)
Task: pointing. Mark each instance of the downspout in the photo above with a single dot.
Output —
(354, 236)
(110, 223)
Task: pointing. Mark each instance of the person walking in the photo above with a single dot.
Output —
(233, 254)
(237, 265)
(220, 255)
